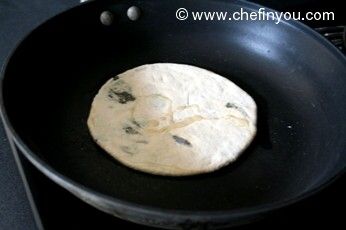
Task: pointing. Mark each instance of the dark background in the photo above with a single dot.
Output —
(17, 18)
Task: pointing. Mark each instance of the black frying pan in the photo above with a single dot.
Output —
(296, 77)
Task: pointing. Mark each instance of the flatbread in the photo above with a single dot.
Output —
(172, 119)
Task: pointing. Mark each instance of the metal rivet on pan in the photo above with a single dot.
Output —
(106, 18)
(133, 13)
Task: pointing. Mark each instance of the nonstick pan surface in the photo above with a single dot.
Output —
(296, 77)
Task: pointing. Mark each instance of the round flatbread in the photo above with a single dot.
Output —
(172, 119)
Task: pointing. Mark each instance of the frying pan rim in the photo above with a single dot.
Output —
(127, 206)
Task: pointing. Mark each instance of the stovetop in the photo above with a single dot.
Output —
(30, 201)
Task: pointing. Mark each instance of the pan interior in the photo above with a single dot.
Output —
(297, 83)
